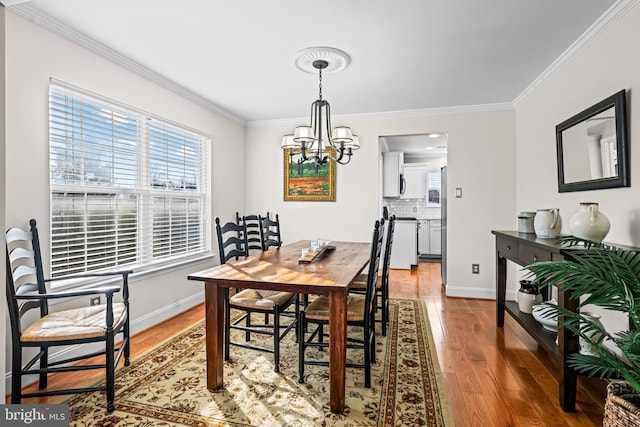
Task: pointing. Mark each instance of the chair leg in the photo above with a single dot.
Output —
(296, 316)
(276, 338)
(44, 364)
(385, 317)
(372, 345)
(111, 388)
(367, 358)
(227, 325)
(247, 334)
(16, 378)
(301, 327)
(125, 337)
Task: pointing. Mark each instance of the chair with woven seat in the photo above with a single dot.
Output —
(27, 293)
(270, 232)
(382, 283)
(251, 301)
(360, 313)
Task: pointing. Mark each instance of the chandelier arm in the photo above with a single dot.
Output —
(318, 128)
(314, 106)
(339, 159)
(329, 127)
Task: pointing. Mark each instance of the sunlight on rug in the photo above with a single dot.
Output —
(167, 385)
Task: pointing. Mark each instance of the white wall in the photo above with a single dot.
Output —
(609, 64)
(481, 150)
(33, 55)
(3, 307)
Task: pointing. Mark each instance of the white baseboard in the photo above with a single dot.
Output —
(137, 325)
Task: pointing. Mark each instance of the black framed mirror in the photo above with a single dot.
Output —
(592, 147)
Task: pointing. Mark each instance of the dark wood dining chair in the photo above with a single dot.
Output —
(252, 300)
(270, 232)
(359, 286)
(34, 325)
(254, 236)
(360, 312)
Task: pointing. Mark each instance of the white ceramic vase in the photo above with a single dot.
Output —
(526, 301)
(589, 223)
(547, 223)
(585, 347)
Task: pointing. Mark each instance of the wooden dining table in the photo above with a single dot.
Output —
(280, 270)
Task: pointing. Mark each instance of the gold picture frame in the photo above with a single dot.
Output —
(307, 182)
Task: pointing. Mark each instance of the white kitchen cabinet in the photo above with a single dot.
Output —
(423, 237)
(435, 237)
(404, 251)
(392, 165)
(415, 177)
(429, 237)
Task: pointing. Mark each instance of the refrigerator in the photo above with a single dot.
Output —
(443, 220)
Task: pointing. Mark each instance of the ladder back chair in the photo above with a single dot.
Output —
(360, 312)
(252, 300)
(254, 236)
(382, 283)
(270, 232)
(27, 292)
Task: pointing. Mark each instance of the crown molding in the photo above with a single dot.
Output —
(31, 14)
(391, 114)
(28, 12)
(610, 17)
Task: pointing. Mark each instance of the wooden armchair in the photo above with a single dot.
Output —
(26, 291)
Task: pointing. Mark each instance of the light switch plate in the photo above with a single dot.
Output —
(458, 193)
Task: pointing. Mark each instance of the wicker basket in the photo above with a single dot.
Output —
(618, 412)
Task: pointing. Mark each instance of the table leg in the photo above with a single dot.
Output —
(214, 296)
(337, 349)
(501, 288)
(568, 344)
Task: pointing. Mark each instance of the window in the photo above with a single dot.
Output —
(433, 192)
(128, 189)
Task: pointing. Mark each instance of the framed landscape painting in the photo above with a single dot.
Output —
(308, 182)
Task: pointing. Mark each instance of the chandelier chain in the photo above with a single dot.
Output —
(320, 84)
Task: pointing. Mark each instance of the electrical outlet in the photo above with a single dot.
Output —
(95, 300)
(475, 268)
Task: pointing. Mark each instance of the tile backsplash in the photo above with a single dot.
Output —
(412, 207)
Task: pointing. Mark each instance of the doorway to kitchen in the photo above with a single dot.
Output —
(413, 167)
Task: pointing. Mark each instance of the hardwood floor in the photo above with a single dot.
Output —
(493, 377)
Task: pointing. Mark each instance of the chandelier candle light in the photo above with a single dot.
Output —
(313, 140)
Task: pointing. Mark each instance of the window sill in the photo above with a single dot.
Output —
(137, 276)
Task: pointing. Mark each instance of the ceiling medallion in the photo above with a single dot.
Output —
(337, 60)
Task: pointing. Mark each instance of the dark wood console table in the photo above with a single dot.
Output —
(525, 249)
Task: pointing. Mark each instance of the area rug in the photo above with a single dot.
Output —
(167, 385)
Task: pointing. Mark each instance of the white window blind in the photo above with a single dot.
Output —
(128, 189)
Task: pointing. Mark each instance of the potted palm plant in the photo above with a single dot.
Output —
(608, 277)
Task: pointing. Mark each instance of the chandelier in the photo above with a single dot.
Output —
(313, 141)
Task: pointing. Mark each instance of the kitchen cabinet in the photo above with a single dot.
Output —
(435, 237)
(392, 181)
(423, 237)
(430, 237)
(404, 251)
(415, 177)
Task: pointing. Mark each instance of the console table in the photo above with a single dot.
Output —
(525, 249)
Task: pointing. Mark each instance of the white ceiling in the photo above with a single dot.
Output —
(236, 56)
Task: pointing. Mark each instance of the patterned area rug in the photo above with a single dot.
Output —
(167, 385)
